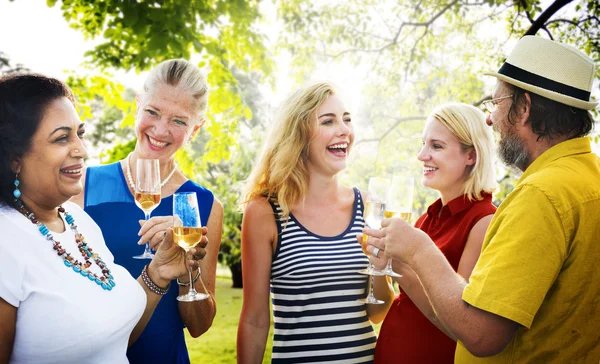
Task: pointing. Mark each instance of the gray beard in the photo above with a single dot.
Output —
(513, 153)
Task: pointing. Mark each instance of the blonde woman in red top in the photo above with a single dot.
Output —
(457, 157)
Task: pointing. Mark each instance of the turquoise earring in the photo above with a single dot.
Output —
(16, 192)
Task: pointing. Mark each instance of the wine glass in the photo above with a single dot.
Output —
(187, 232)
(399, 204)
(147, 193)
(374, 208)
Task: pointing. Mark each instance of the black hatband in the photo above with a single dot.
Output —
(522, 75)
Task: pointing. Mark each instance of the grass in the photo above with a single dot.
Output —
(217, 345)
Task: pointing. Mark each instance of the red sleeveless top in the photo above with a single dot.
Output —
(406, 335)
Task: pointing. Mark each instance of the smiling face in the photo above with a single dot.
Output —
(50, 173)
(166, 119)
(332, 138)
(445, 164)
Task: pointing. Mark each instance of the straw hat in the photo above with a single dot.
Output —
(554, 70)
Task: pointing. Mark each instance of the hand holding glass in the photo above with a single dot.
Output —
(373, 214)
(399, 204)
(187, 232)
(147, 193)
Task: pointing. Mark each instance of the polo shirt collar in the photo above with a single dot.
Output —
(455, 206)
(564, 149)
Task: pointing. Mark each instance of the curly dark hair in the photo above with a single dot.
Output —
(24, 98)
(550, 119)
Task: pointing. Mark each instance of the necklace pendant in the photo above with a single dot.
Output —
(106, 281)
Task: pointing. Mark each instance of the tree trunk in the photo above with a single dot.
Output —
(236, 275)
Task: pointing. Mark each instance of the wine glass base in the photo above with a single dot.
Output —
(191, 297)
(144, 256)
(370, 301)
(391, 273)
(371, 272)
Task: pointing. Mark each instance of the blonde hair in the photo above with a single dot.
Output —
(281, 174)
(468, 124)
(181, 73)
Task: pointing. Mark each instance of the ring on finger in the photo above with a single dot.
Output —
(376, 252)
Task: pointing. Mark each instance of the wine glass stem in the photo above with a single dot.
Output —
(388, 266)
(192, 290)
(372, 285)
(147, 250)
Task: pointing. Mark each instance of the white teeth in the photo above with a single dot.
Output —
(338, 146)
(429, 169)
(157, 143)
(72, 171)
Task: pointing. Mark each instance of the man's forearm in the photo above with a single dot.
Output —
(444, 289)
(482, 333)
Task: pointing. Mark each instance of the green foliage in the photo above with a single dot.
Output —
(109, 109)
(138, 35)
(417, 55)
(90, 88)
(226, 178)
(119, 152)
(217, 345)
(416, 60)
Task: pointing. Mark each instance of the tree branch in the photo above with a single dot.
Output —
(435, 17)
(547, 14)
(391, 128)
(412, 52)
(574, 23)
(394, 41)
(410, 118)
(548, 32)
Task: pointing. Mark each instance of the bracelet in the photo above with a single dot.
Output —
(151, 285)
(188, 283)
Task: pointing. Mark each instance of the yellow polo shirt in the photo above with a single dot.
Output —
(540, 261)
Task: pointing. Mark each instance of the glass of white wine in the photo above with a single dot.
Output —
(373, 214)
(399, 204)
(187, 232)
(147, 193)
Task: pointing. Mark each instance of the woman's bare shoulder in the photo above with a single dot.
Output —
(258, 206)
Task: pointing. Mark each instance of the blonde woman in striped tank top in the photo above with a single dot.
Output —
(299, 242)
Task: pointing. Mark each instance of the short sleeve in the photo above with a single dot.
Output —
(522, 255)
(12, 271)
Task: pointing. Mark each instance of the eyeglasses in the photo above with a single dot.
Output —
(492, 105)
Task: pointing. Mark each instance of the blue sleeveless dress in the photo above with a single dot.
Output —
(109, 202)
(315, 285)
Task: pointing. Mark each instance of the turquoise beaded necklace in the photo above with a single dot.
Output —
(106, 280)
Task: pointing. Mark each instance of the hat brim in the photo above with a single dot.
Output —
(563, 99)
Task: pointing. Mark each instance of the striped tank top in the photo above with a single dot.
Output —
(314, 285)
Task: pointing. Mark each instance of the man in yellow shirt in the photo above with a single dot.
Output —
(534, 295)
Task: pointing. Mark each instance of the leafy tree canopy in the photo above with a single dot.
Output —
(139, 34)
(415, 55)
